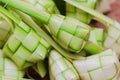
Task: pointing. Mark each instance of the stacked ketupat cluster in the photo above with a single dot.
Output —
(27, 43)
(31, 46)
(26, 40)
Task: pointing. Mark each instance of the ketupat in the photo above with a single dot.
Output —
(103, 66)
(26, 42)
(72, 11)
(8, 69)
(113, 27)
(6, 28)
(60, 68)
(39, 67)
(76, 33)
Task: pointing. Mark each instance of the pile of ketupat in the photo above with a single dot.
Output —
(33, 32)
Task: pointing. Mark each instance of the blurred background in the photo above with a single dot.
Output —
(113, 12)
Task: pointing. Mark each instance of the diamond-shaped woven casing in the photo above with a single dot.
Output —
(26, 47)
(5, 29)
(112, 39)
(60, 68)
(103, 66)
(8, 69)
(68, 32)
(79, 14)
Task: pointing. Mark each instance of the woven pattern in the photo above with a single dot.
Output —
(5, 29)
(104, 66)
(60, 68)
(79, 14)
(8, 70)
(68, 32)
(96, 36)
(25, 47)
(49, 5)
(113, 38)
(43, 5)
